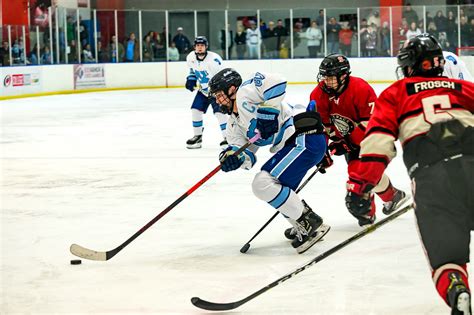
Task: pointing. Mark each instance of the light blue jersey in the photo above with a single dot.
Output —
(204, 70)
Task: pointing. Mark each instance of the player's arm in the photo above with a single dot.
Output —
(378, 147)
(364, 102)
(237, 139)
(191, 80)
(272, 89)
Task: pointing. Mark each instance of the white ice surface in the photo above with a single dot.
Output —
(94, 168)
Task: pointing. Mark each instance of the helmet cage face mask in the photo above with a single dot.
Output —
(221, 83)
(334, 65)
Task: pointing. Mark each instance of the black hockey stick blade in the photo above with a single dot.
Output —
(214, 306)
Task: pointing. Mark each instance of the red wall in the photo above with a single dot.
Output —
(14, 12)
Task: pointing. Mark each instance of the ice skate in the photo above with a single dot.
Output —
(194, 143)
(309, 230)
(398, 199)
(459, 296)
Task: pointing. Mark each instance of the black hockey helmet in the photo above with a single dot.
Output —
(421, 56)
(223, 81)
(201, 40)
(334, 65)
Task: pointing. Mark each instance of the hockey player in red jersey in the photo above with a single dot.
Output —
(432, 116)
(345, 103)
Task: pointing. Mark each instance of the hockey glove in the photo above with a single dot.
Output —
(339, 147)
(267, 121)
(229, 161)
(358, 198)
(326, 162)
(191, 83)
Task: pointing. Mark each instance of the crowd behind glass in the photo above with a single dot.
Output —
(294, 34)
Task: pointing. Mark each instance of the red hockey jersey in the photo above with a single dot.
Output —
(406, 110)
(347, 114)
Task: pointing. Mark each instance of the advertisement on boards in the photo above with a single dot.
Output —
(20, 80)
(89, 76)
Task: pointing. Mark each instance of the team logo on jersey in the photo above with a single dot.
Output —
(343, 124)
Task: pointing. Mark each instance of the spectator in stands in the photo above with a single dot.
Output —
(270, 41)
(182, 43)
(87, 56)
(102, 54)
(470, 33)
(5, 54)
(413, 31)
(371, 40)
(83, 32)
(384, 40)
(116, 52)
(320, 20)
(345, 40)
(132, 49)
(254, 40)
(240, 41)
(70, 29)
(374, 18)
(440, 21)
(314, 36)
(363, 38)
(431, 29)
(282, 33)
(452, 29)
(333, 28)
(226, 41)
(410, 15)
(147, 49)
(72, 56)
(33, 57)
(173, 52)
(18, 56)
(46, 56)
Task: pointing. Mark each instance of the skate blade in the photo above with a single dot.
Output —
(194, 146)
(320, 232)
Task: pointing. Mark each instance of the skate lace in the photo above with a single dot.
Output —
(298, 229)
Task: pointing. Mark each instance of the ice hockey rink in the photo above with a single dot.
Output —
(94, 168)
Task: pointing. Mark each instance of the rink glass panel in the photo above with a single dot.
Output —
(275, 47)
(239, 22)
(302, 20)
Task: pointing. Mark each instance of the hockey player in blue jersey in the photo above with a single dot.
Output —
(296, 139)
(203, 64)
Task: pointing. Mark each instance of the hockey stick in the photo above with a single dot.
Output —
(212, 306)
(104, 256)
(246, 246)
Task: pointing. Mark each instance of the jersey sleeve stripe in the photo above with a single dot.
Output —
(281, 133)
(380, 130)
(375, 158)
(274, 91)
(378, 144)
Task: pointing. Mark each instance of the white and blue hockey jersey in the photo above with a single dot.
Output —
(455, 68)
(204, 70)
(261, 90)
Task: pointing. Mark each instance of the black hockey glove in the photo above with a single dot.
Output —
(191, 84)
(326, 162)
(267, 121)
(339, 147)
(229, 161)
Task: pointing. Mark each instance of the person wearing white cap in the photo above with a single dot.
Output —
(182, 42)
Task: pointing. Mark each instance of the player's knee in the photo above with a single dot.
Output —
(261, 184)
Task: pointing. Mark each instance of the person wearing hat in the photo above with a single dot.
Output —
(182, 42)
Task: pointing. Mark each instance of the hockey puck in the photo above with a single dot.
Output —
(76, 262)
(245, 248)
